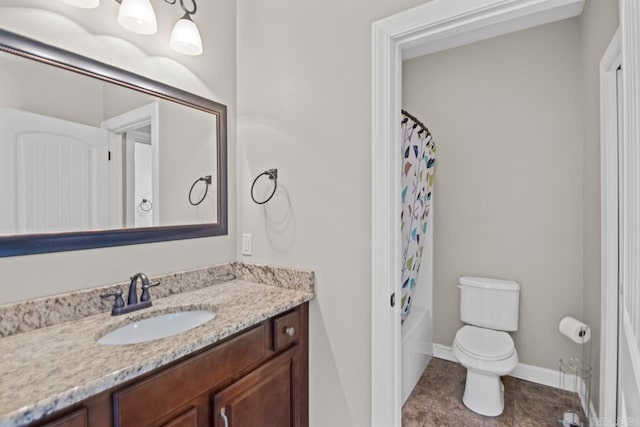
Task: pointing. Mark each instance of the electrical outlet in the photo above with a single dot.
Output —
(246, 244)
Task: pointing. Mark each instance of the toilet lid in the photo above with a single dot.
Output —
(485, 343)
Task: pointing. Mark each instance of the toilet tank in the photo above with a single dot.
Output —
(489, 303)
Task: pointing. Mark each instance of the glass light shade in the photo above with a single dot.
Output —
(137, 16)
(185, 37)
(85, 4)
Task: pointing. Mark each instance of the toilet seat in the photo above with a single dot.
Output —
(472, 348)
(484, 344)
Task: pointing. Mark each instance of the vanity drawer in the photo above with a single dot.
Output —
(158, 395)
(286, 330)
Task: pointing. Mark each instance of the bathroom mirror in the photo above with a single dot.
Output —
(93, 156)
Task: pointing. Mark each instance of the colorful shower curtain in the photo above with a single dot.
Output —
(418, 158)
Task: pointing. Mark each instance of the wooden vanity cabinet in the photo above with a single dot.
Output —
(76, 418)
(257, 378)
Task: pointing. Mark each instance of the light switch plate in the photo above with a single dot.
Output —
(246, 244)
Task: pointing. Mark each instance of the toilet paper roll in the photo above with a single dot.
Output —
(575, 330)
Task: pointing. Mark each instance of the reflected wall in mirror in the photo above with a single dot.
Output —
(91, 155)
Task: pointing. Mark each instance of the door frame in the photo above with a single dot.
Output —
(611, 61)
(428, 28)
(147, 114)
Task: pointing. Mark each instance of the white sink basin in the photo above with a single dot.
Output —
(157, 327)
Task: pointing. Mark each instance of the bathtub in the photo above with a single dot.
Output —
(417, 347)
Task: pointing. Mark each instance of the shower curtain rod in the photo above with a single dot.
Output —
(415, 120)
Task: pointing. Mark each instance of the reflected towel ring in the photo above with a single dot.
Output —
(207, 181)
(273, 175)
(145, 205)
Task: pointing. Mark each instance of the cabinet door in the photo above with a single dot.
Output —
(186, 419)
(265, 397)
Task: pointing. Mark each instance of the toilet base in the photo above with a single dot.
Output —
(483, 394)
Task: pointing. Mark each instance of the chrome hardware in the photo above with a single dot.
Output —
(145, 205)
(224, 418)
(290, 331)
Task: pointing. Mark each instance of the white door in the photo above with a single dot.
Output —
(53, 173)
(629, 304)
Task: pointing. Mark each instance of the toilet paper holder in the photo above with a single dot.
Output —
(575, 330)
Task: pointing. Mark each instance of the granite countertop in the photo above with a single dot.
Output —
(45, 370)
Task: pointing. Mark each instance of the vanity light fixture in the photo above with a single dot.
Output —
(139, 17)
(185, 37)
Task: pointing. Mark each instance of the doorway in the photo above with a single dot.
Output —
(135, 139)
(429, 28)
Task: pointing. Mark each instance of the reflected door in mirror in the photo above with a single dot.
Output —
(60, 176)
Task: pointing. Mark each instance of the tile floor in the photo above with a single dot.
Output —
(437, 401)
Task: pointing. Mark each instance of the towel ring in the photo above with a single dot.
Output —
(207, 181)
(273, 175)
(145, 205)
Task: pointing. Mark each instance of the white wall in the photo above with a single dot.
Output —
(33, 94)
(598, 23)
(95, 33)
(505, 116)
(304, 104)
(187, 159)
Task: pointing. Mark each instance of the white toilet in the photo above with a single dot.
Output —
(489, 307)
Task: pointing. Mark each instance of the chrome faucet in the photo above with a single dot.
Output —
(132, 299)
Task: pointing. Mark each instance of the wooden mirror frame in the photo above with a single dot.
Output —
(25, 244)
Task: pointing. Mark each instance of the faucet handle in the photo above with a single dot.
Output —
(119, 302)
(146, 296)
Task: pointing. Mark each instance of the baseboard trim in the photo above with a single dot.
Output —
(535, 374)
(444, 352)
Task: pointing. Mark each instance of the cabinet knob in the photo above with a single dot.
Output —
(224, 417)
(290, 331)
